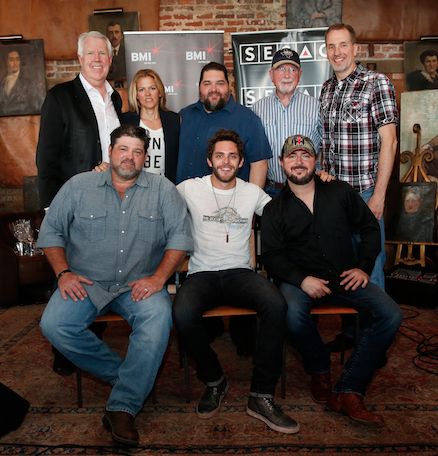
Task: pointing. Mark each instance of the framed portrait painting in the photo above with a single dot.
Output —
(421, 65)
(22, 77)
(410, 213)
(113, 25)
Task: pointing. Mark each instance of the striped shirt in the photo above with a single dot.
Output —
(352, 111)
(300, 117)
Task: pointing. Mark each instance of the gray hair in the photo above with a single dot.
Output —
(92, 34)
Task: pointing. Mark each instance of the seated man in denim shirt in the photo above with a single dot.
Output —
(113, 239)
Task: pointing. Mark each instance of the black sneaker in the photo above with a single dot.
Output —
(210, 402)
(265, 409)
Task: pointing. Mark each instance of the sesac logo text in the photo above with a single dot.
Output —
(141, 57)
(200, 56)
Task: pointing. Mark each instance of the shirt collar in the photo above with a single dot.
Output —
(355, 73)
(88, 86)
(275, 95)
(106, 179)
(228, 107)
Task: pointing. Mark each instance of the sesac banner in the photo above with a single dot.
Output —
(253, 53)
(177, 57)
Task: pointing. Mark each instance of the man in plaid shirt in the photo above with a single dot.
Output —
(359, 114)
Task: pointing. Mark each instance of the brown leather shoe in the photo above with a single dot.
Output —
(121, 425)
(351, 404)
(320, 387)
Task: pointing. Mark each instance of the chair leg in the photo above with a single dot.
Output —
(184, 362)
(283, 372)
(357, 330)
(79, 385)
(154, 394)
(186, 374)
(344, 337)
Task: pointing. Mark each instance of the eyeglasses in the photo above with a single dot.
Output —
(291, 69)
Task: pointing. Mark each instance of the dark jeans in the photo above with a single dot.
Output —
(237, 287)
(380, 317)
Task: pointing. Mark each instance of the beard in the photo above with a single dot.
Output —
(215, 106)
(300, 180)
(286, 87)
(220, 178)
(126, 175)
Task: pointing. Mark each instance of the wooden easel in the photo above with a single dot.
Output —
(416, 158)
(416, 167)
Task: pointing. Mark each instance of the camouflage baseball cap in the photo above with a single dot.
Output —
(297, 142)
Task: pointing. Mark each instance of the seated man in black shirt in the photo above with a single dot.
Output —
(306, 243)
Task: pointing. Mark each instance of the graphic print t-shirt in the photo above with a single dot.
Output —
(155, 160)
(213, 218)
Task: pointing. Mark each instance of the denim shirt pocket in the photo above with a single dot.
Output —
(150, 227)
(352, 111)
(93, 225)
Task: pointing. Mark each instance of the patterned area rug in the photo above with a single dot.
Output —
(403, 393)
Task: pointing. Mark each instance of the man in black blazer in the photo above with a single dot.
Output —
(75, 121)
(77, 118)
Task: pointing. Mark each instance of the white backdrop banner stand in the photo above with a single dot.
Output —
(177, 57)
(253, 53)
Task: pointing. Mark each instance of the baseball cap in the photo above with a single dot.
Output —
(297, 142)
(285, 55)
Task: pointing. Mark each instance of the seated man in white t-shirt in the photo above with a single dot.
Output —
(221, 210)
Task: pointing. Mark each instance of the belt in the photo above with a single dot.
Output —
(274, 184)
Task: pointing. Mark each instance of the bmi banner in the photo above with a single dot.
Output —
(253, 53)
(177, 57)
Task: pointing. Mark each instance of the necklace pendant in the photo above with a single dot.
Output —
(227, 238)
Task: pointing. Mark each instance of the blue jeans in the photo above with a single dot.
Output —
(377, 275)
(380, 318)
(236, 287)
(272, 191)
(65, 324)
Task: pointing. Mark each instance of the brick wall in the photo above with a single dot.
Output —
(228, 15)
(62, 69)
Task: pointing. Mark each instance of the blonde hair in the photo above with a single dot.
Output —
(132, 92)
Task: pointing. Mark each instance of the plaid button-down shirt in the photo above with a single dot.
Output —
(352, 110)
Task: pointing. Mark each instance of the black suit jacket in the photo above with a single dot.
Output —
(171, 125)
(69, 141)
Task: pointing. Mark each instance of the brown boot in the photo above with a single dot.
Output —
(320, 387)
(121, 425)
(351, 404)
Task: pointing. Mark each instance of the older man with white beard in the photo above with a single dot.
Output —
(287, 112)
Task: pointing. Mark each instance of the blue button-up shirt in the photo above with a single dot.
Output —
(197, 126)
(300, 117)
(114, 241)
